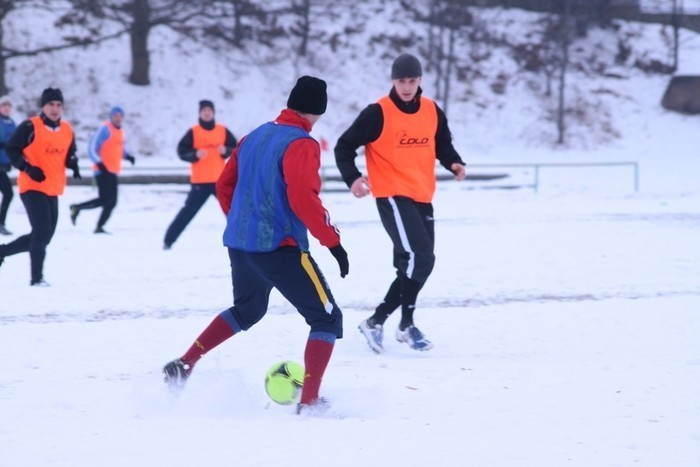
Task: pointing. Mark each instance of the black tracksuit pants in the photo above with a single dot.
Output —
(7, 194)
(107, 189)
(43, 217)
(411, 227)
(198, 195)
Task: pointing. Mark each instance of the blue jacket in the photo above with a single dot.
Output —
(260, 216)
(7, 127)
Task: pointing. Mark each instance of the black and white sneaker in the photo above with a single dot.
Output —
(176, 374)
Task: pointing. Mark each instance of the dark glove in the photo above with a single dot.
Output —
(102, 168)
(35, 173)
(130, 158)
(341, 256)
(72, 163)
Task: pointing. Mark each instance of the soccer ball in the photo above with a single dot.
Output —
(283, 382)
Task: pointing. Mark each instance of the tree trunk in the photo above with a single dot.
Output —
(4, 10)
(140, 57)
(564, 31)
(237, 25)
(448, 71)
(676, 23)
(439, 53)
(3, 84)
(305, 26)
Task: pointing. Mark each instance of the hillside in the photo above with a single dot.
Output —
(497, 113)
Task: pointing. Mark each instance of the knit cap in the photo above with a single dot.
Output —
(406, 66)
(51, 94)
(117, 109)
(206, 103)
(308, 96)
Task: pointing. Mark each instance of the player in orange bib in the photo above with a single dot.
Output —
(205, 146)
(41, 148)
(403, 134)
(106, 151)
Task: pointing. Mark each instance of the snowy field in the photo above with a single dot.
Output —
(565, 326)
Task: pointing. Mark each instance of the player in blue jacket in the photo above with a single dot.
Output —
(106, 151)
(7, 127)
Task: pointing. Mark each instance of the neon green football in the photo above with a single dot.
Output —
(284, 381)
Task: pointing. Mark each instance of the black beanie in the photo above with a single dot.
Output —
(308, 96)
(51, 94)
(206, 103)
(406, 66)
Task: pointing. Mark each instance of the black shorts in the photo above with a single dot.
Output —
(295, 275)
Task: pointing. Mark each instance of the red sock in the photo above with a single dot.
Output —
(316, 357)
(217, 332)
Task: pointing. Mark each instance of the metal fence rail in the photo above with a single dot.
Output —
(537, 166)
(330, 173)
(332, 181)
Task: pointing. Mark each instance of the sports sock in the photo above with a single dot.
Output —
(319, 348)
(409, 296)
(392, 300)
(217, 332)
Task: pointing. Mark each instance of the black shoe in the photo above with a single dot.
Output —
(176, 374)
(39, 283)
(4, 231)
(167, 246)
(74, 211)
(100, 230)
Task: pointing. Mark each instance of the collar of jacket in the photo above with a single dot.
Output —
(207, 125)
(290, 117)
(48, 122)
(409, 107)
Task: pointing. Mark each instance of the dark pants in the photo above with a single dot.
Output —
(43, 217)
(7, 194)
(411, 228)
(297, 277)
(107, 188)
(199, 192)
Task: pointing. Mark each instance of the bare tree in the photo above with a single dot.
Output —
(676, 19)
(139, 17)
(234, 22)
(8, 52)
(564, 42)
(445, 20)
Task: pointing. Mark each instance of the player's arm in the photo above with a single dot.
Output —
(300, 167)
(185, 148)
(366, 128)
(226, 184)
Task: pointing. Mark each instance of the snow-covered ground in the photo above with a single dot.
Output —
(565, 326)
(565, 322)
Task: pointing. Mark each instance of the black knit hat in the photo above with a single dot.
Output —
(406, 66)
(51, 94)
(206, 103)
(308, 96)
